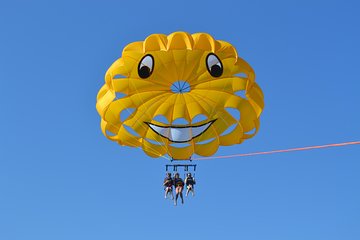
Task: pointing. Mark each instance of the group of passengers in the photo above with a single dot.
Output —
(170, 182)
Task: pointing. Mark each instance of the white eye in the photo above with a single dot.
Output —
(214, 65)
(146, 66)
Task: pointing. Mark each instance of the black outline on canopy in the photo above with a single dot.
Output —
(180, 126)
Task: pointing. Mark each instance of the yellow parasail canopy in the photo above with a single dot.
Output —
(178, 95)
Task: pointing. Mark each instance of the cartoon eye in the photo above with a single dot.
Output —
(214, 65)
(146, 66)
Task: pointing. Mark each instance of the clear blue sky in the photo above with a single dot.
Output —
(61, 179)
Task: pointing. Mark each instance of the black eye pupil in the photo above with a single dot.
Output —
(144, 72)
(216, 71)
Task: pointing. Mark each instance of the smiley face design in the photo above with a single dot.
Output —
(180, 95)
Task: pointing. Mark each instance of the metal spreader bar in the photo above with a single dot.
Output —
(174, 159)
(185, 166)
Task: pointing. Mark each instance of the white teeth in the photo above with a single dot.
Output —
(160, 130)
(180, 134)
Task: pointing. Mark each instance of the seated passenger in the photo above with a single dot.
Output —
(179, 187)
(168, 184)
(190, 182)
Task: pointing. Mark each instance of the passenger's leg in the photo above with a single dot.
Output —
(176, 196)
(166, 192)
(172, 195)
(181, 195)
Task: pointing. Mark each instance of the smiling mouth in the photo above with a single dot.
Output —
(180, 133)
